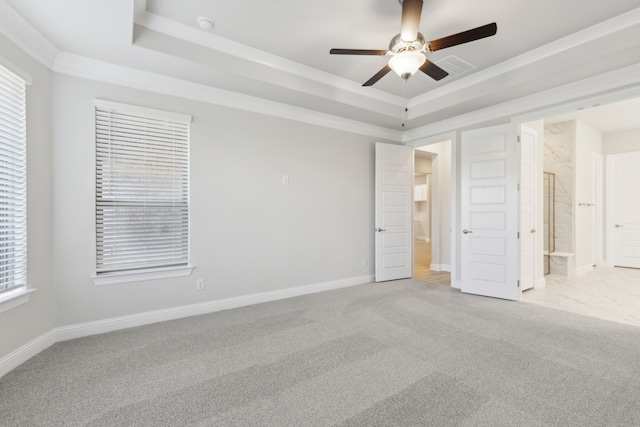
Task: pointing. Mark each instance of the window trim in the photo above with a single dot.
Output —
(150, 273)
(116, 278)
(15, 297)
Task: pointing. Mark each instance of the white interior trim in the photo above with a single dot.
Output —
(617, 85)
(32, 348)
(142, 111)
(28, 38)
(19, 72)
(14, 27)
(598, 163)
(105, 72)
(610, 161)
(242, 51)
(571, 41)
(14, 298)
(583, 269)
(26, 352)
(141, 275)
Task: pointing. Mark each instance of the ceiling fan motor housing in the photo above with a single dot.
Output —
(398, 45)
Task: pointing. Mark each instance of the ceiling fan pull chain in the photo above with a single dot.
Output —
(405, 109)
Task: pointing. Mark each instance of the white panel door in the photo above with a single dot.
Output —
(489, 176)
(528, 138)
(626, 187)
(394, 184)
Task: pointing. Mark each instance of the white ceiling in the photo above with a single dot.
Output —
(278, 50)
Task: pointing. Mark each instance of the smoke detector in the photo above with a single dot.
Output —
(205, 23)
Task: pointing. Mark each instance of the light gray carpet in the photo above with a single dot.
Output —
(402, 353)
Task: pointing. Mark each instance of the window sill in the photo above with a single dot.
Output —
(15, 298)
(140, 275)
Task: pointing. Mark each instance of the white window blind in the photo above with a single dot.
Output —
(13, 185)
(142, 190)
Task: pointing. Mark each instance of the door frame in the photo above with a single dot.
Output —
(609, 221)
(598, 181)
(537, 209)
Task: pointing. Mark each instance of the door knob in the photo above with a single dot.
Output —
(465, 231)
(619, 225)
(533, 230)
(380, 229)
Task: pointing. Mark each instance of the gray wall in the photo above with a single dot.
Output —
(23, 324)
(249, 232)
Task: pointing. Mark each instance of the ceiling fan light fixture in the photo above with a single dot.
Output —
(405, 64)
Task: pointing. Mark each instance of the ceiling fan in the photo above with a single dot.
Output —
(408, 49)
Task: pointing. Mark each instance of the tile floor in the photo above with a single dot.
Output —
(606, 293)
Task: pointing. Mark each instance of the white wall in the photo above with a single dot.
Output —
(588, 141)
(621, 142)
(249, 232)
(29, 321)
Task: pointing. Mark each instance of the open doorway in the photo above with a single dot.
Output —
(422, 205)
(580, 273)
(431, 212)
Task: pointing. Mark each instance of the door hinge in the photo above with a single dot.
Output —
(518, 285)
(518, 187)
(518, 138)
(518, 234)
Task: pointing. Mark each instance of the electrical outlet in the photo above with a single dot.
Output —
(364, 262)
(200, 284)
(285, 179)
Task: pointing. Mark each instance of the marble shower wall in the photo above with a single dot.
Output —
(559, 158)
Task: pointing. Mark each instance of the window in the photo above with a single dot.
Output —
(142, 190)
(13, 184)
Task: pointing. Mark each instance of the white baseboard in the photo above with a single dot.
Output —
(173, 313)
(584, 269)
(27, 351)
(440, 267)
(457, 284)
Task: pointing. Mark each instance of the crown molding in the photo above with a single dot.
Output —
(105, 72)
(574, 40)
(612, 86)
(14, 27)
(212, 41)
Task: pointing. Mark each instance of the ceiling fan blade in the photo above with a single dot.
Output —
(433, 71)
(380, 74)
(411, 11)
(464, 37)
(357, 52)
